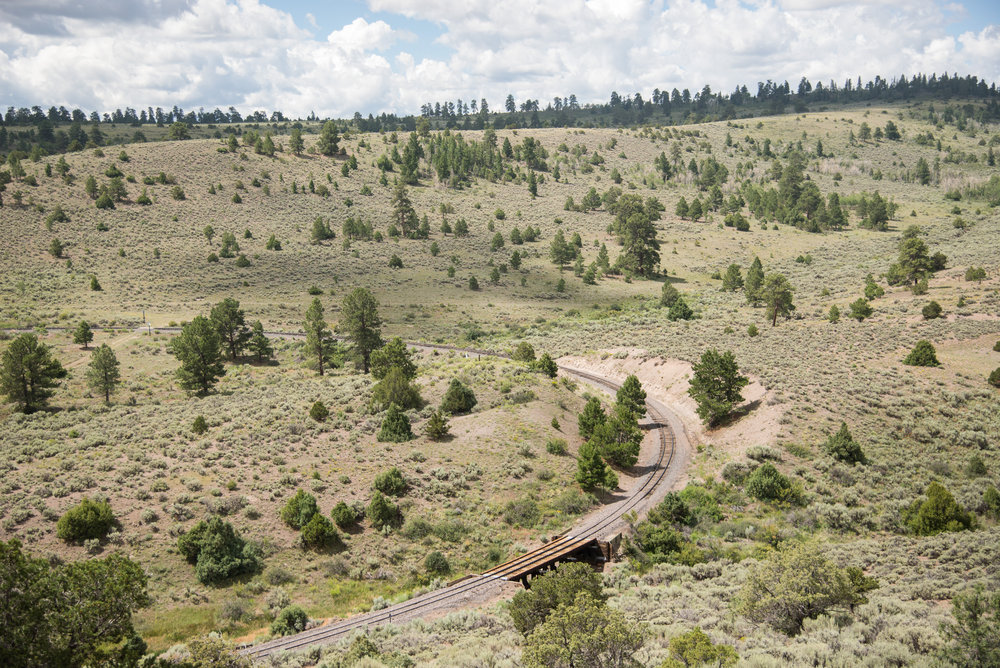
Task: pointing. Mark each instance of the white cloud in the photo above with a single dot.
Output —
(245, 53)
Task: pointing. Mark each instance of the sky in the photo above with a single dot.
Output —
(337, 57)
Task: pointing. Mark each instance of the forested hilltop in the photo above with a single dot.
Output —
(214, 429)
(23, 129)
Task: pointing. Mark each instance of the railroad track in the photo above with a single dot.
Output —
(603, 523)
(606, 522)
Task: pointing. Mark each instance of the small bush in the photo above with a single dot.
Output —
(437, 563)
(395, 427)
(390, 483)
(522, 512)
(458, 398)
(841, 446)
(319, 533)
(344, 516)
(766, 483)
(299, 509)
(86, 520)
(218, 551)
(994, 378)
(292, 619)
(319, 412)
(937, 513)
(931, 310)
(200, 425)
(923, 354)
(556, 446)
(381, 512)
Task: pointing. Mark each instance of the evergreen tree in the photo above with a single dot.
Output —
(754, 281)
(733, 279)
(361, 323)
(328, 139)
(436, 427)
(228, 319)
(319, 343)
(841, 446)
(295, 142)
(103, 373)
(776, 293)
(29, 373)
(619, 438)
(636, 233)
(923, 354)
(682, 208)
(259, 344)
(860, 309)
(458, 398)
(716, 385)
(592, 417)
(395, 426)
(83, 335)
(592, 472)
(403, 213)
(199, 350)
(669, 294)
(394, 354)
(631, 396)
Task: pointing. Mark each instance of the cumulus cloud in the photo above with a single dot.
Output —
(248, 54)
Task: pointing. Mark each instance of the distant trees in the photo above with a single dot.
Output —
(361, 323)
(295, 143)
(28, 373)
(199, 350)
(716, 385)
(103, 375)
(403, 213)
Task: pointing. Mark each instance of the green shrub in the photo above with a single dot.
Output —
(937, 513)
(299, 509)
(525, 352)
(292, 619)
(218, 551)
(522, 512)
(994, 378)
(669, 295)
(395, 427)
(390, 483)
(319, 533)
(528, 609)
(381, 512)
(923, 354)
(396, 388)
(766, 483)
(556, 446)
(437, 563)
(996, 347)
(344, 516)
(931, 310)
(458, 398)
(991, 499)
(694, 648)
(841, 446)
(199, 426)
(436, 427)
(319, 412)
(86, 520)
(680, 310)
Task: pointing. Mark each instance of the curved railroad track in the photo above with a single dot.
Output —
(663, 468)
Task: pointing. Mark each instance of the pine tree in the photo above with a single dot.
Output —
(295, 142)
(319, 339)
(361, 323)
(328, 139)
(592, 416)
(83, 334)
(199, 350)
(395, 427)
(437, 426)
(631, 396)
(228, 319)
(259, 344)
(103, 373)
(592, 472)
(733, 279)
(776, 293)
(754, 281)
(716, 385)
(29, 373)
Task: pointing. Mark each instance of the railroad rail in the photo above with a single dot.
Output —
(603, 523)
